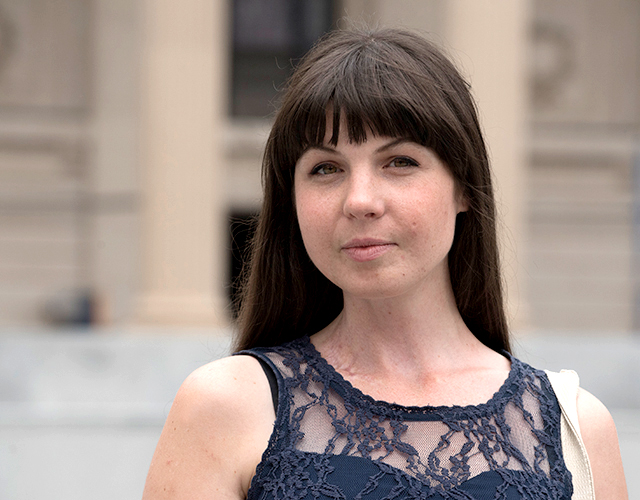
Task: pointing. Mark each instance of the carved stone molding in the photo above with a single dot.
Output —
(38, 160)
(553, 62)
(585, 62)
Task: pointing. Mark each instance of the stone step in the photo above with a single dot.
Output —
(544, 263)
(563, 314)
(16, 252)
(39, 227)
(615, 210)
(599, 239)
(39, 277)
(579, 289)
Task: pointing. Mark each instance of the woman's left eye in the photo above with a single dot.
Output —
(324, 169)
(403, 162)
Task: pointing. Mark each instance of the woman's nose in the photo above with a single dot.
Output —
(363, 199)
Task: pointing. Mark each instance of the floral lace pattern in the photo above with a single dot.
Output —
(331, 441)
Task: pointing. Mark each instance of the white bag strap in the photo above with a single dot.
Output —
(565, 385)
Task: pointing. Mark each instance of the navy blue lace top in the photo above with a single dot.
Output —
(331, 441)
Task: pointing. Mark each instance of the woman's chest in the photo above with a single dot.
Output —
(309, 476)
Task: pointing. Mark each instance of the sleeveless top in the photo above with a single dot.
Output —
(331, 441)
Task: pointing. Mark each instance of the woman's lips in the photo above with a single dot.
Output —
(366, 250)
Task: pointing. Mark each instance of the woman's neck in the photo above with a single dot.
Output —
(423, 332)
(411, 353)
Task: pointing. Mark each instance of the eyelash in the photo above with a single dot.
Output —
(410, 162)
(318, 168)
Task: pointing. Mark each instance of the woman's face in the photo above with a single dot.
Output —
(377, 218)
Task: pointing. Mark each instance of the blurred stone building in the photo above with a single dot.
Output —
(131, 134)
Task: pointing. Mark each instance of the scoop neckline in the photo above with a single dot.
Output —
(349, 392)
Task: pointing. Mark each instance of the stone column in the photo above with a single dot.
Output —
(488, 40)
(182, 89)
(114, 195)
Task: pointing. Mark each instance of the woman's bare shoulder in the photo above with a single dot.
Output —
(600, 438)
(216, 431)
(229, 380)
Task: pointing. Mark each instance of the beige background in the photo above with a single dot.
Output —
(120, 165)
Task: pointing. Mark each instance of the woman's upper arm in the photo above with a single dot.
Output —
(601, 441)
(214, 436)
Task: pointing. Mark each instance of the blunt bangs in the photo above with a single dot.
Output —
(373, 86)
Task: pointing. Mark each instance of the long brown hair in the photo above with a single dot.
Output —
(390, 83)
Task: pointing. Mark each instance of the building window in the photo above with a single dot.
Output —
(268, 38)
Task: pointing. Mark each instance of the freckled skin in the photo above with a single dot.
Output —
(194, 459)
(362, 193)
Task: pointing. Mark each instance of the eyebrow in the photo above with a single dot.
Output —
(384, 147)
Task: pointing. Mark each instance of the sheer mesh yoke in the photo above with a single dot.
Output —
(330, 441)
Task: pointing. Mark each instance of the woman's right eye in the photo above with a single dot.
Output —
(325, 169)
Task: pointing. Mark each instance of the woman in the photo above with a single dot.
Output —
(374, 355)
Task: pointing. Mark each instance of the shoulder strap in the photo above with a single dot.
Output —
(269, 372)
(565, 385)
(273, 382)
